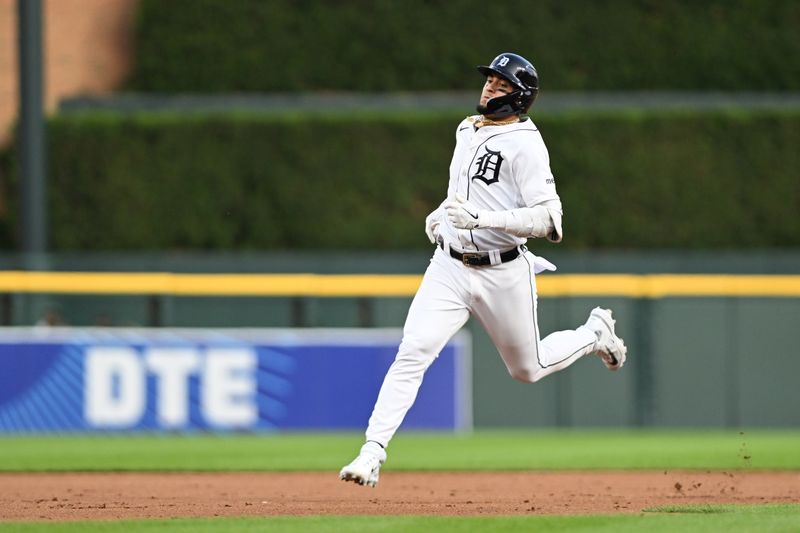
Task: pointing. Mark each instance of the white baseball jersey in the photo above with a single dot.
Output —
(497, 168)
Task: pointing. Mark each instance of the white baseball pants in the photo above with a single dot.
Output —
(503, 298)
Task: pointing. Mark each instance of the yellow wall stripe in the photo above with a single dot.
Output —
(666, 285)
(354, 285)
(209, 284)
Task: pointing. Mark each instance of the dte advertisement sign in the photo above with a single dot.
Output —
(97, 379)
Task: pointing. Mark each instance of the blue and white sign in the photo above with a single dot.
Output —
(96, 379)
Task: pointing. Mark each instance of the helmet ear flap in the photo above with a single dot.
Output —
(531, 97)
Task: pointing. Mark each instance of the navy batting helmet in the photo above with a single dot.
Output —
(522, 74)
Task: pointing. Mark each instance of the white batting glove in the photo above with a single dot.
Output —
(464, 215)
(432, 222)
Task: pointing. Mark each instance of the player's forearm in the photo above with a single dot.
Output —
(522, 222)
(543, 220)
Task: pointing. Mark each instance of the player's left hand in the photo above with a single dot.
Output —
(432, 223)
(463, 214)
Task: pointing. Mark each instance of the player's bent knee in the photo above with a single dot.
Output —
(525, 375)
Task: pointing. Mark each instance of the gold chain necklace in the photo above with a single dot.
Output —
(483, 121)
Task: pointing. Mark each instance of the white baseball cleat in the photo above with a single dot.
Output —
(365, 469)
(609, 347)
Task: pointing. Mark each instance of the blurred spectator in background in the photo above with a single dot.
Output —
(52, 317)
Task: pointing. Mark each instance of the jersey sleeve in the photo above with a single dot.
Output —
(535, 180)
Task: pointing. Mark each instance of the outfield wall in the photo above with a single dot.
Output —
(711, 344)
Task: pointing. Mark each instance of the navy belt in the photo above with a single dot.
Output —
(480, 258)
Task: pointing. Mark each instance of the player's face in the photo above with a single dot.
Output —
(495, 86)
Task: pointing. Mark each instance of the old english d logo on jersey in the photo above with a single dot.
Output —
(488, 163)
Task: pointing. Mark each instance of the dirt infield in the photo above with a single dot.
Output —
(107, 496)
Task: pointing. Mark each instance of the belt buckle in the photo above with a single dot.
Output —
(471, 258)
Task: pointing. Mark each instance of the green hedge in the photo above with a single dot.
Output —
(390, 45)
(631, 180)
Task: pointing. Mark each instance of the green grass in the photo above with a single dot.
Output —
(484, 450)
(765, 518)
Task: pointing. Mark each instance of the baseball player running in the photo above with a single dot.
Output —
(501, 193)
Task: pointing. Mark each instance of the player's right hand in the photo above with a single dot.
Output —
(464, 215)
